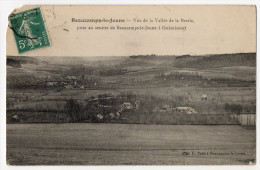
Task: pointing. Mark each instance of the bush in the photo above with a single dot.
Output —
(233, 108)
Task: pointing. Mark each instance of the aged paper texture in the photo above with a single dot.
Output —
(132, 85)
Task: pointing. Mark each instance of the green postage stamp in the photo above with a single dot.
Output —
(29, 30)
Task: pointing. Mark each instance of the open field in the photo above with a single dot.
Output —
(123, 144)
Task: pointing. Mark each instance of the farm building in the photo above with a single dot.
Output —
(52, 83)
(126, 106)
(15, 118)
(188, 110)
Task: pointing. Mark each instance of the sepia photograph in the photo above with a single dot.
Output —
(131, 85)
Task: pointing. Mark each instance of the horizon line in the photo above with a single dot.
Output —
(135, 55)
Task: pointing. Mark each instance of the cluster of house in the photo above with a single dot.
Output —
(67, 81)
(166, 108)
(61, 80)
(117, 113)
(110, 116)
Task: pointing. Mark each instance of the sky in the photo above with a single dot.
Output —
(215, 30)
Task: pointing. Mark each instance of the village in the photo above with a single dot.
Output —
(108, 108)
(143, 89)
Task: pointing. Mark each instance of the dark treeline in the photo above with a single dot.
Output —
(16, 61)
(221, 60)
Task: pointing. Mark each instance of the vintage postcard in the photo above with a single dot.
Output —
(131, 85)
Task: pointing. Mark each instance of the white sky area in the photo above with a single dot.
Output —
(217, 30)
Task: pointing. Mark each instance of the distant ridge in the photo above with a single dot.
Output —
(217, 60)
(17, 61)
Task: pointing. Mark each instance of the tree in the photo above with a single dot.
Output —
(73, 108)
(233, 108)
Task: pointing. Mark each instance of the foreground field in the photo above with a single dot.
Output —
(124, 144)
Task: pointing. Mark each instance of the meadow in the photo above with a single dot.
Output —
(124, 144)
